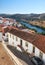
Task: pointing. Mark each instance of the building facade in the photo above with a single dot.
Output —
(19, 40)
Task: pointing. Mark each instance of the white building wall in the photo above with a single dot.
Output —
(37, 51)
(0, 36)
(12, 40)
(16, 42)
(24, 44)
(30, 48)
(6, 34)
(43, 57)
(1, 21)
(9, 39)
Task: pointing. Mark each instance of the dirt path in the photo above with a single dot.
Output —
(4, 57)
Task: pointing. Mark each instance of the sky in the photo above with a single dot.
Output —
(22, 6)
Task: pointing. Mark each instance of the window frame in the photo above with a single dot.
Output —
(26, 44)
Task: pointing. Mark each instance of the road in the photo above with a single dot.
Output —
(23, 57)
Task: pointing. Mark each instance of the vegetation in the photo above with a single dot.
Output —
(42, 33)
(40, 18)
(38, 26)
(28, 17)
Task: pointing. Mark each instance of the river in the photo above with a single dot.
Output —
(38, 29)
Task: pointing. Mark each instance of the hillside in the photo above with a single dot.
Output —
(34, 19)
(28, 17)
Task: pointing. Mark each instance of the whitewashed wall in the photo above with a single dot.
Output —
(13, 40)
(37, 51)
(16, 42)
(0, 36)
(30, 48)
(1, 21)
(9, 39)
(24, 45)
(44, 57)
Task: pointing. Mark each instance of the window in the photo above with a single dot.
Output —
(26, 44)
(41, 54)
(33, 49)
(16, 39)
(10, 35)
(13, 36)
(21, 42)
(7, 35)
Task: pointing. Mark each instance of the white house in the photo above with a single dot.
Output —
(33, 44)
(7, 21)
(1, 21)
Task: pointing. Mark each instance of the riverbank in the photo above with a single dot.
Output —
(40, 24)
(37, 29)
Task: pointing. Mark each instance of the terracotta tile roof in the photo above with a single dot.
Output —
(36, 39)
(40, 42)
(26, 36)
(4, 30)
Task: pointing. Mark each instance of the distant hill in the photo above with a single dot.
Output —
(27, 17)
